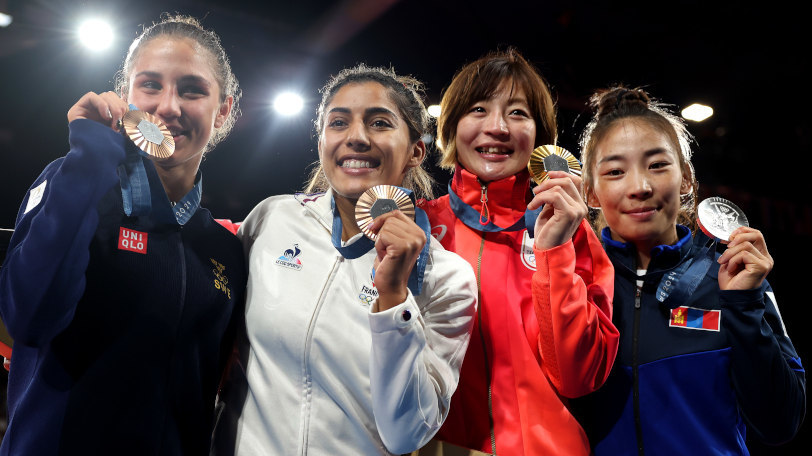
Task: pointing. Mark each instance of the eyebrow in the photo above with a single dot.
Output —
(190, 78)
(621, 157)
(367, 111)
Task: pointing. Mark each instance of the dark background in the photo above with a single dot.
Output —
(751, 64)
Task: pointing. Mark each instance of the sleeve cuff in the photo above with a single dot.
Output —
(400, 317)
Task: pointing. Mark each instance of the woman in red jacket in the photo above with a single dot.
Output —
(544, 330)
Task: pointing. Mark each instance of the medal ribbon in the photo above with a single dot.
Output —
(138, 200)
(365, 244)
(678, 285)
(471, 217)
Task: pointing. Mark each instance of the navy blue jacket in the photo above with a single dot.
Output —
(120, 324)
(692, 377)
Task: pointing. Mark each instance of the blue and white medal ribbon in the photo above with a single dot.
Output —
(365, 244)
(470, 217)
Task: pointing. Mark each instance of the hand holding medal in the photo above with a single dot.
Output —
(141, 127)
(746, 262)
(558, 193)
(398, 240)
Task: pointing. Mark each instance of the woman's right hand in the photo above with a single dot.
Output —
(105, 108)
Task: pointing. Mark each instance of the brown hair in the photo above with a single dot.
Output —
(180, 26)
(406, 93)
(617, 103)
(478, 81)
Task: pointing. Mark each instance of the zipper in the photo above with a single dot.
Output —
(306, 356)
(484, 214)
(635, 370)
(482, 336)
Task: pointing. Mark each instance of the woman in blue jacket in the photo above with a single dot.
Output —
(118, 288)
(704, 355)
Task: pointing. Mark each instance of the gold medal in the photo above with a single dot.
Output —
(379, 200)
(149, 134)
(551, 158)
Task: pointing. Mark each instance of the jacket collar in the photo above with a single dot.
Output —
(506, 198)
(663, 257)
(318, 205)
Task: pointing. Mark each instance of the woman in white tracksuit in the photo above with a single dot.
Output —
(330, 362)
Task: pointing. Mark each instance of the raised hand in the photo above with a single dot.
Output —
(564, 208)
(398, 245)
(107, 108)
(746, 261)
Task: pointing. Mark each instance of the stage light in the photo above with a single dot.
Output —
(95, 34)
(434, 110)
(697, 112)
(5, 20)
(288, 103)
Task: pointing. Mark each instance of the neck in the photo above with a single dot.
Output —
(177, 182)
(644, 247)
(643, 257)
(346, 209)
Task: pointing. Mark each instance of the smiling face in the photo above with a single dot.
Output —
(637, 184)
(173, 79)
(495, 137)
(365, 141)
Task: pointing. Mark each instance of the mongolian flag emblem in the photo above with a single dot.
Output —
(691, 318)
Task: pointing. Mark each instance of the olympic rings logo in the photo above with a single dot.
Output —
(366, 299)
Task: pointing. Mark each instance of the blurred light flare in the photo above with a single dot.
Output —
(5, 20)
(697, 112)
(95, 34)
(434, 110)
(288, 103)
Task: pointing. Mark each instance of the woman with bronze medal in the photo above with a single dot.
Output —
(356, 318)
(704, 361)
(543, 332)
(119, 289)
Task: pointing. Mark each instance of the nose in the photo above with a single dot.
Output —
(168, 105)
(640, 185)
(357, 138)
(496, 125)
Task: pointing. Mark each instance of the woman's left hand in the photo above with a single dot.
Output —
(746, 262)
(399, 243)
(564, 208)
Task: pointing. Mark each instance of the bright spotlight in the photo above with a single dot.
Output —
(5, 20)
(697, 112)
(434, 110)
(288, 103)
(95, 34)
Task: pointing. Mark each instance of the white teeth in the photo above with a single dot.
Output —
(493, 150)
(355, 164)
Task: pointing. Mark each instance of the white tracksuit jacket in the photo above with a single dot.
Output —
(321, 375)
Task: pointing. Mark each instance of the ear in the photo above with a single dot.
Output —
(418, 154)
(592, 200)
(685, 187)
(223, 112)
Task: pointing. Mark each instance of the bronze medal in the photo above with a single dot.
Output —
(377, 201)
(149, 134)
(719, 218)
(551, 158)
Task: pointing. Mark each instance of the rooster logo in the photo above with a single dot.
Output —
(289, 258)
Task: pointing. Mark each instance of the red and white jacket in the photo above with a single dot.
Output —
(543, 331)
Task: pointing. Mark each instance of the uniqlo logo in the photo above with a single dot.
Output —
(134, 241)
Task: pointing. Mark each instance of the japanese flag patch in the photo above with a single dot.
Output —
(692, 318)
